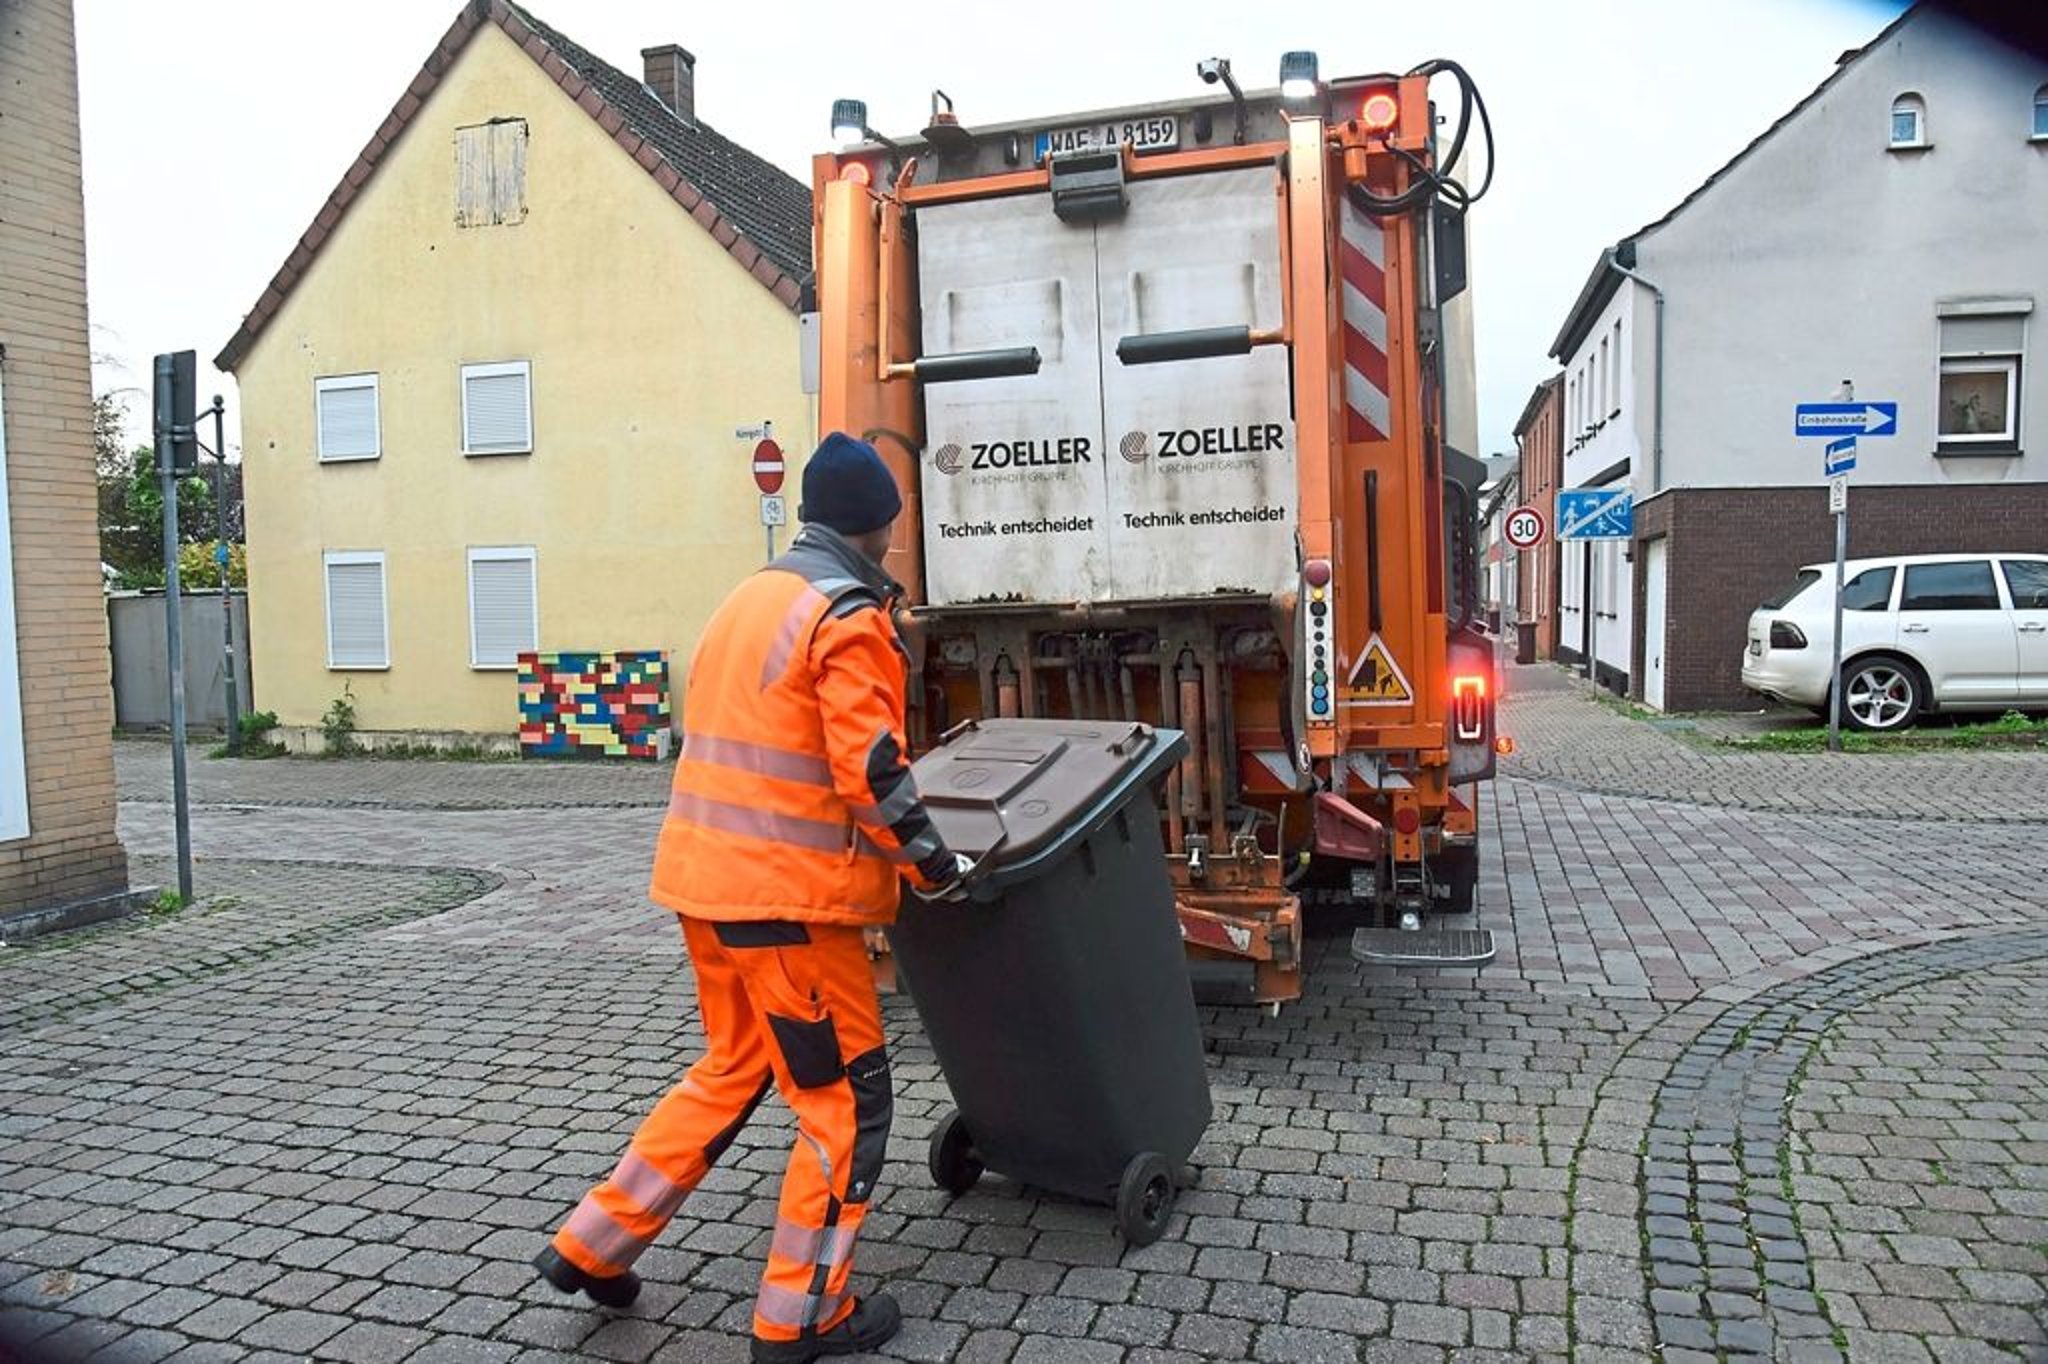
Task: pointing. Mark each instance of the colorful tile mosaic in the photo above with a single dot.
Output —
(594, 705)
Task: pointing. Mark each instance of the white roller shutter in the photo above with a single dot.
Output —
(503, 607)
(497, 408)
(358, 635)
(345, 414)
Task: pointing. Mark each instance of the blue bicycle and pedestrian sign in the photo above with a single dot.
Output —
(1595, 514)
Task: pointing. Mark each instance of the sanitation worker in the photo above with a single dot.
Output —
(792, 817)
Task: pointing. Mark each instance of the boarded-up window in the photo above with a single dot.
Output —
(490, 173)
(497, 408)
(345, 416)
(503, 606)
(357, 633)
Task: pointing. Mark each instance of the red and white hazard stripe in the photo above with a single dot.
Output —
(1362, 260)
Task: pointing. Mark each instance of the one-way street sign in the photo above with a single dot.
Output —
(1840, 457)
(1845, 419)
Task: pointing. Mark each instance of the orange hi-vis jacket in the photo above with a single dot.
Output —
(793, 799)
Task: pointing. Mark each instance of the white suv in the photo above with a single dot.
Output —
(1920, 632)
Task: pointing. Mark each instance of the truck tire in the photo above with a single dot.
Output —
(1458, 868)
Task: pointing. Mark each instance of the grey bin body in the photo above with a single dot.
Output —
(1057, 998)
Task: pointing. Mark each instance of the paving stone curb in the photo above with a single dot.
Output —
(1688, 1140)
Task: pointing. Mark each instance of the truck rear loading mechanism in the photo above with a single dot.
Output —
(1165, 389)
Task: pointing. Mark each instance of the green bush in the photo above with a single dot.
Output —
(338, 726)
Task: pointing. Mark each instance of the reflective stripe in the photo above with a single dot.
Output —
(810, 1246)
(770, 825)
(919, 848)
(763, 760)
(801, 612)
(824, 1157)
(606, 1239)
(655, 1192)
(797, 1311)
(893, 807)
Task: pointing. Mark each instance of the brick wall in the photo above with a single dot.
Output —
(1731, 547)
(1542, 470)
(60, 617)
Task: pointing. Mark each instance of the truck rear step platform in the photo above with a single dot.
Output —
(1423, 947)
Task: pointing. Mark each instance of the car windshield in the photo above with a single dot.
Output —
(1778, 600)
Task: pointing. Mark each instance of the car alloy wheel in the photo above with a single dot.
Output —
(1881, 695)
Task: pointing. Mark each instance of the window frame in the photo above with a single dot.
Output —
(333, 558)
(2012, 596)
(1892, 587)
(1963, 442)
(490, 369)
(1908, 102)
(503, 554)
(1985, 561)
(2040, 124)
(328, 383)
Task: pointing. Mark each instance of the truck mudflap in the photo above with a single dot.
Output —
(1259, 926)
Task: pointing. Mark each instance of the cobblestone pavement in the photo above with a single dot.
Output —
(330, 1112)
(1562, 744)
(142, 767)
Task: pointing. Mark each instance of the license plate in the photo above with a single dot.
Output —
(1155, 134)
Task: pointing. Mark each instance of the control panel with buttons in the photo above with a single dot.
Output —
(1317, 644)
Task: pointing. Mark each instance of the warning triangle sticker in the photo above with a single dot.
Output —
(1376, 680)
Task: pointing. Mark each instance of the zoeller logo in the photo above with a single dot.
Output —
(1015, 454)
(1135, 446)
(1183, 442)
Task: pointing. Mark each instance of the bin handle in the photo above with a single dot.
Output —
(985, 863)
(965, 725)
(1129, 744)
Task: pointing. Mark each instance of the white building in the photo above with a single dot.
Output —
(1891, 229)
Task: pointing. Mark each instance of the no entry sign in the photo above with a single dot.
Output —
(768, 467)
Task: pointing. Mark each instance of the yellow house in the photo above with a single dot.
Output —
(491, 401)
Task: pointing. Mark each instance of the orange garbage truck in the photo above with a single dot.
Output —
(1166, 391)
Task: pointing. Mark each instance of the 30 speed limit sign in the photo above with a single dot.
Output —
(1526, 527)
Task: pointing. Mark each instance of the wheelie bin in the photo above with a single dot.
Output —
(1056, 996)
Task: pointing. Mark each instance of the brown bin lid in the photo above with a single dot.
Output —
(1027, 783)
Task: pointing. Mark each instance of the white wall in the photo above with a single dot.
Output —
(1607, 413)
(1822, 255)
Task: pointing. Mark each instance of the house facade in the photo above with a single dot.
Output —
(1540, 446)
(491, 401)
(1887, 231)
(58, 853)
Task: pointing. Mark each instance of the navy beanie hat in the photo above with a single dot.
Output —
(848, 488)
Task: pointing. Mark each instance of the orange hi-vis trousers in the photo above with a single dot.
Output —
(792, 1004)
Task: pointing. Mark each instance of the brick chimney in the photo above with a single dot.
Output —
(671, 73)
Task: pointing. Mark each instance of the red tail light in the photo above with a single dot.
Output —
(1379, 111)
(1468, 706)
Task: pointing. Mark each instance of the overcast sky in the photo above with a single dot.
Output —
(214, 129)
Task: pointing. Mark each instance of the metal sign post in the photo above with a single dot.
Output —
(768, 474)
(1840, 422)
(1838, 502)
(176, 454)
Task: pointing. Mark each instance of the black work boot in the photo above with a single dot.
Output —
(873, 1321)
(615, 1290)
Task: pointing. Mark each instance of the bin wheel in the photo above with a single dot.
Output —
(954, 1165)
(1144, 1198)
